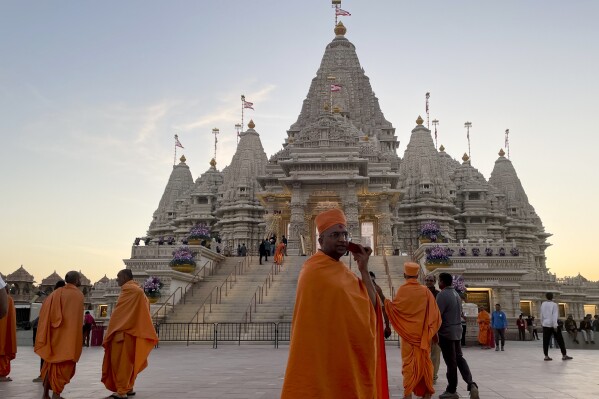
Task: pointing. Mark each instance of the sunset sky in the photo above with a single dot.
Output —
(91, 94)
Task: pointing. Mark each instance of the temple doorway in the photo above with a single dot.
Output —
(367, 233)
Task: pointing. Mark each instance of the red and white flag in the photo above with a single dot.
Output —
(335, 87)
(177, 142)
(247, 104)
(343, 13)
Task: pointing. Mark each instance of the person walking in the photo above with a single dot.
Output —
(129, 339)
(549, 323)
(8, 338)
(430, 281)
(59, 340)
(521, 324)
(414, 314)
(262, 251)
(499, 324)
(450, 334)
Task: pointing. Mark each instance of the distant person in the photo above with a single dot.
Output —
(244, 250)
(499, 324)
(450, 334)
(239, 250)
(337, 345)
(586, 328)
(529, 326)
(34, 325)
(262, 251)
(284, 241)
(267, 248)
(485, 334)
(3, 299)
(88, 322)
(430, 281)
(273, 245)
(521, 324)
(535, 333)
(129, 339)
(596, 323)
(415, 316)
(279, 254)
(59, 340)
(8, 338)
(571, 329)
(551, 328)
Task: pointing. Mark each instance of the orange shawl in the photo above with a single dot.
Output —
(8, 338)
(59, 337)
(130, 316)
(279, 253)
(415, 316)
(484, 327)
(335, 349)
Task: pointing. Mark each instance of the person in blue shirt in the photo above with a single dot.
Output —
(499, 324)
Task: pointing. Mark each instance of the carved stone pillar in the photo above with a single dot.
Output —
(296, 222)
(350, 206)
(384, 239)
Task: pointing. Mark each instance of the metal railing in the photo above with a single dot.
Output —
(264, 332)
(216, 294)
(171, 301)
(260, 293)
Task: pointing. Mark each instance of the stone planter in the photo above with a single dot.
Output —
(194, 241)
(434, 266)
(153, 299)
(184, 268)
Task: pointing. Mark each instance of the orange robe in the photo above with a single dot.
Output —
(484, 329)
(59, 339)
(279, 253)
(415, 316)
(129, 339)
(337, 343)
(8, 338)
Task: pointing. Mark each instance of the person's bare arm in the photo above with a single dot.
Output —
(361, 259)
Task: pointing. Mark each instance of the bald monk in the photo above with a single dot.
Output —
(59, 340)
(415, 316)
(337, 344)
(485, 336)
(8, 338)
(129, 339)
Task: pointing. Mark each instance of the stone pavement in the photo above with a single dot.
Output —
(256, 371)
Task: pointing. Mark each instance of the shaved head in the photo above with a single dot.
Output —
(124, 276)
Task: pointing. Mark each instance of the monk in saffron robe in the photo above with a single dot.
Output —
(485, 334)
(279, 253)
(337, 344)
(8, 338)
(415, 316)
(59, 340)
(129, 339)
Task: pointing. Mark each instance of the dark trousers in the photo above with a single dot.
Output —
(549, 332)
(535, 334)
(463, 341)
(265, 255)
(499, 333)
(454, 360)
(521, 334)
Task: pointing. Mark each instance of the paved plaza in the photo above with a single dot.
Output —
(256, 372)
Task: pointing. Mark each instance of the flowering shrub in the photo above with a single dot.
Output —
(475, 251)
(462, 251)
(199, 231)
(514, 251)
(182, 256)
(430, 230)
(438, 255)
(502, 251)
(171, 240)
(489, 251)
(459, 284)
(152, 286)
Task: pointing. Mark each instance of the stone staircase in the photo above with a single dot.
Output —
(187, 309)
(274, 297)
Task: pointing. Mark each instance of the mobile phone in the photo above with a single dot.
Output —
(353, 247)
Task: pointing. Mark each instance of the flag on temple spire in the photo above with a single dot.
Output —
(343, 13)
(247, 104)
(335, 87)
(177, 142)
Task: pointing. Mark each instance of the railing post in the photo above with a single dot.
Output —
(188, 324)
(276, 335)
(215, 342)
